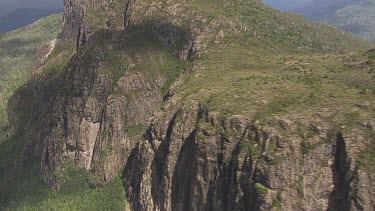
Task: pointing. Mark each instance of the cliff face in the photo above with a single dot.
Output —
(99, 104)
(94, 113)
(82, 18)
(126, 100)
(200, 161)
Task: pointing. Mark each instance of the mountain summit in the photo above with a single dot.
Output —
(193, 105)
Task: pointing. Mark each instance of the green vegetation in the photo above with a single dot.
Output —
(17, 52)
(25, 191)
(137, 50)
(135, 130)
(358, 19)
(201, 136)
(105, 153)
(266, 64)
(276, 204)
(276, 27)
(366, 159)
(355, 16)
(306, 147)
(302, 71)
(22, 189)
(252, 147)
(206, 128)
(137, 53)
(60, 48)
(298, 185)
(20, 185)
(306, 134)
(261, 190)
(279, 82)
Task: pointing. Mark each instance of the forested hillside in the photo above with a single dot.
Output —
(23, 17)
(358, 19)
(17, 56)
(8, 6)
(355, 16)
(18, 13)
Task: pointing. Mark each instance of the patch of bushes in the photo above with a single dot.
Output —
(25, 191)
(134, 130)
(261, 190)
(366, 160)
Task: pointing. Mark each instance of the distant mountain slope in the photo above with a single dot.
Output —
(319, 8)
(17, 13)
(17, 53)
(355, 16)
(23, 17)
(357, 19)
(287, 5)
(8, 6)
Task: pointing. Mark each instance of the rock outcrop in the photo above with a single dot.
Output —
(200, 161)
(94, 109)
(83, 18)
(91, 104)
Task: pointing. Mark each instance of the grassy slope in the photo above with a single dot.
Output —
(292, 67)
(286, 61)
(295, 69)
(17, 53)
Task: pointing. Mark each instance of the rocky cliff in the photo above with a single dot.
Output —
(202, 105)
(203, 162)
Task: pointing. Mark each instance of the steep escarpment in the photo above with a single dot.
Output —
(82, 18)
(200, 161)
(99, 103)
(201, 106)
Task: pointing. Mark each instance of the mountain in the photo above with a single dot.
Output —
(319, 8)
(356, 17)
(287, 5)
(8, 6)
(23, 17)
(15, 14)
(192, 105)
(312, 9)
(17, 54)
